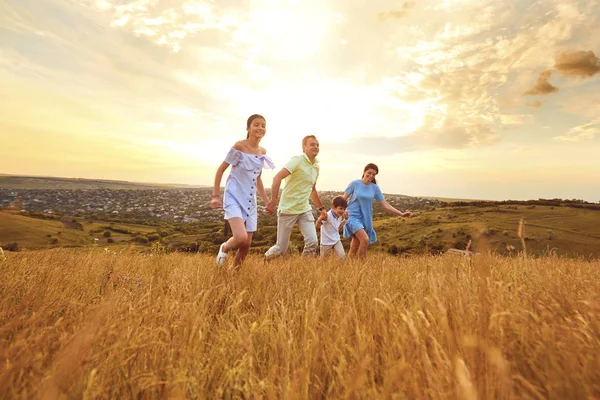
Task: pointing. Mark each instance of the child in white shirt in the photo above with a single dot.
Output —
(330, 228)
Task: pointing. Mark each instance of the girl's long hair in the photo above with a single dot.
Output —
(371, 166)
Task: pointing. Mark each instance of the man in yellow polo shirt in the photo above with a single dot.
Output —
(301, 174)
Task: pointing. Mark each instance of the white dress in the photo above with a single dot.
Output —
(239, 200)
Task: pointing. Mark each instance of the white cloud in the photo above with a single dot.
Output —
(428, 75)
(583, 132)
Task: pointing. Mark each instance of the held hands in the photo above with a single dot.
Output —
(216, 202)
(319, 222)
(271, 207)
(323, 216)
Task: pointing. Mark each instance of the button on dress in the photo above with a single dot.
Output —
(239, 200)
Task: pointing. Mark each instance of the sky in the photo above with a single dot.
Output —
(468, 99)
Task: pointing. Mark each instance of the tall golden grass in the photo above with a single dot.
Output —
(96, 325)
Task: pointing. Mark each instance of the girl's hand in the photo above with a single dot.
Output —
(407, 214)
(271, 207)
(216, 202)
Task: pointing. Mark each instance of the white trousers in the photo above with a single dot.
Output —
(337, 248)
(285, 224)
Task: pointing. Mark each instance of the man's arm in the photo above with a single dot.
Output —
(314, 196)
(281, 175)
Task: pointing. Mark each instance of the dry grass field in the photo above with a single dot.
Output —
(97, 325)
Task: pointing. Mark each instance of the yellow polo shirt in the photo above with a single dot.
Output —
(298, 185)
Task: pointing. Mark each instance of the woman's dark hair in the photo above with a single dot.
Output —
(371, 166)
(249, 122)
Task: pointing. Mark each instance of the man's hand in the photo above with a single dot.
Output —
(271, 207)
(323, 215)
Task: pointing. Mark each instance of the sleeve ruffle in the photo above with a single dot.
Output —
(268, 163)
(233, 157)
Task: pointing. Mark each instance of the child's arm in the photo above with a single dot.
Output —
(319, 222)
(342, 225)
(216, 201)
(261, 190)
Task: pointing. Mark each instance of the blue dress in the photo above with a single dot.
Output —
(239, 200)
(360, 208)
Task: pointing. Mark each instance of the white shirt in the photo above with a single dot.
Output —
(330, 229)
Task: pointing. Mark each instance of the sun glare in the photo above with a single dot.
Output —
(291, 31)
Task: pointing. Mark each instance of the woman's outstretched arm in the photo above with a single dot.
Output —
(388, 207)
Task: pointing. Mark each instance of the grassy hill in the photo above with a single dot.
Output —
(35, 233)
(564, 230)
(99, 324)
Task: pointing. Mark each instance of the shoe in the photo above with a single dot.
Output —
(221, 257)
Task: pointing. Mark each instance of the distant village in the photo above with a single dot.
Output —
(172, 204)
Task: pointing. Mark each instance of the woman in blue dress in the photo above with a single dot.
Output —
(359, 225)
(247, 159)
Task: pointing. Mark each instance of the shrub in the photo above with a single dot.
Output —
(141, 239)
(107, 234)
(460, 244)
(153, 237)
(12, 246)
(488, 232)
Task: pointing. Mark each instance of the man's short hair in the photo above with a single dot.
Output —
(305, 140)
(339, 201)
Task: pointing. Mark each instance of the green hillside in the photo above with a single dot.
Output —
(564, 230)
(36, 233)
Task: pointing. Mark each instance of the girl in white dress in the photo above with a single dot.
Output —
(247, 159)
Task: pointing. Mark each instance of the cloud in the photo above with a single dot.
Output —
(542, 87)
(515, 119)
(451, 78)
(443, 134)
(397, 14)
(577, 63)
(535, 104)
(583, 132)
